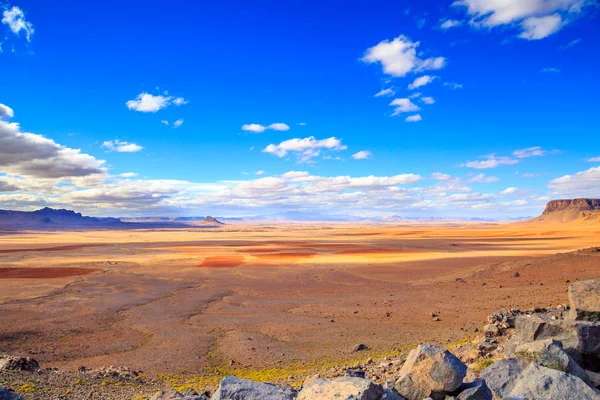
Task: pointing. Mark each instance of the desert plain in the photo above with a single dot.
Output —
(278, 300)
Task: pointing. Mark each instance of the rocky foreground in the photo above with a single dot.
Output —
(533, 354)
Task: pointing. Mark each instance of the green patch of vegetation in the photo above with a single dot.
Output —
(27, 388)
(482, 364)
(462, 342)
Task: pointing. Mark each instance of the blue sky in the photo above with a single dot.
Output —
(485, 108)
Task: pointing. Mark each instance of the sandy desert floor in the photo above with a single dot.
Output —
(272, 300)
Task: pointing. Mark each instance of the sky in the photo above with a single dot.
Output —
(467, 108)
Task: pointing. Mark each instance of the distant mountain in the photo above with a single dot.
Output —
(586, 211)
(52, 219)
(211, 220)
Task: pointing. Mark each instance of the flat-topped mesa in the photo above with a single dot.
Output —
(572, 204)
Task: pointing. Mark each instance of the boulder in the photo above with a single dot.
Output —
(584, 299)
(539, 382)
(430, 371)
(476, 390)
(550, 354)
(7, 394)
(345, 387)
(391, 394)
(500, 377)
(18, 363)
(232, 388)
(580, 339)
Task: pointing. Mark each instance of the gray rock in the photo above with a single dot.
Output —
(594, 378)
(346, 388)
(550, 354)
(580, 339)
(6, 394)
(18, 363)
(391, 394)
(476, 390)
(430, 371)
(545, 383)
(500, 377)
(175, 395)
(232, 388)
(584, 299)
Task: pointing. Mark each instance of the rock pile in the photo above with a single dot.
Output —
(533, 354)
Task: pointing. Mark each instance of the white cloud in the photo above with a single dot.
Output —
(414, 118)
(362, 155)
(178, 123)
(414, 95)
(33, 155)
(15, 19)
(571, 43)
(6, 112)
(529, 175)
(441, 176)
(551, 69)
(164, 122)
(385, 92)
(593, 159)
(146, 102)
(306, 148)
(259, 172)
(453, 85)
(536, 151)
(450, 23)
(536, 19)
(128, 175)
(279, 126)
(582, 184)
(428, 100)
(121, 147)
(490, 161)
(403, 105)
(256, 128)
(535, 28)
(421, 81)
(482, 178)
(301, 124)
(509, 191)
(399, 57)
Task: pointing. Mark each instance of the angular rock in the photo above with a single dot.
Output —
(232, 388)
(580, 339)
(430, 371)
(500, 377)
(539, 382)
(6, 394)
(18, 363)
(476, 390)
(391, 394)
(345, 387)
(550, 354)
(584, 299)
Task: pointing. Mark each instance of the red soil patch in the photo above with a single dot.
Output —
(222, 261)
(44, 273)
(316, 245)
(57, 248)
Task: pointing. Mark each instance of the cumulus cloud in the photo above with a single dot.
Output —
(509, 191)
(428, 100)
(441, 176)
(259, 172)
(306, 148)
(399, 57)
(128, 175)
(362, 155)
(146, 102)
(421, 81)
(593, 159)
(258, 128)
(121, 147)
(403, 105)
(582, 184)
(6, 112)
(414, 118)
(34, 155)
(536, 19)
(482, 178)
(178, 123)
(490, 161)
(385, 92)
(15, 19)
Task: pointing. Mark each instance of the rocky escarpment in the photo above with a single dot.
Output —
(540, 353)
(572, 204)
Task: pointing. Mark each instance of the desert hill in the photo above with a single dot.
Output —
(571, 211)
(53, 219)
